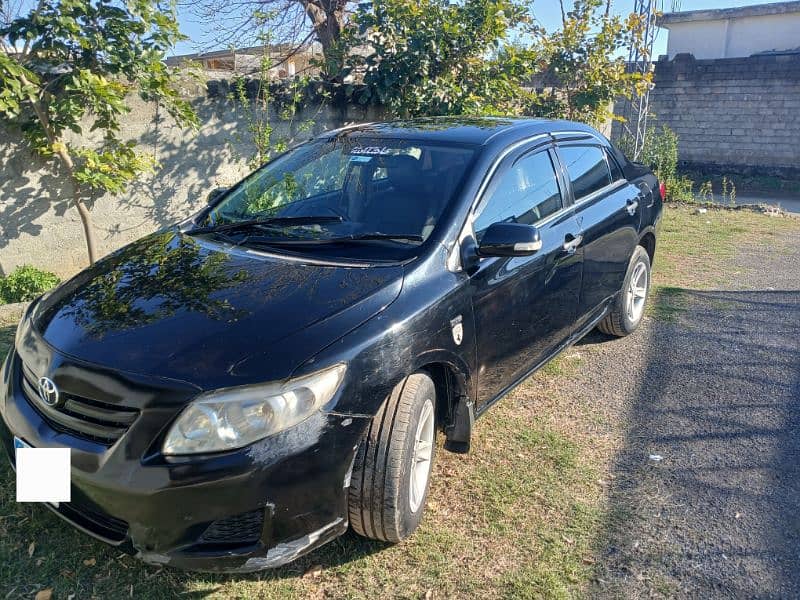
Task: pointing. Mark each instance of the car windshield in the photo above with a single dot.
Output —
(335, 195)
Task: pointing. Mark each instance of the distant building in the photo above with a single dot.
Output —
(287, 61)
(734, 32)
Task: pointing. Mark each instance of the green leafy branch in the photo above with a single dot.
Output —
(69, 66)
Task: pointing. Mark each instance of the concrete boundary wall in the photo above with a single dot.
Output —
(731, 115)
(740, 115)
(39, 227)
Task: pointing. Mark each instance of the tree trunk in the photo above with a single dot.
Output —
(88, 229)
(83, 211)
(60, 148)
(327, 20)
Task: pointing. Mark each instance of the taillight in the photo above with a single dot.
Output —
(663, 189)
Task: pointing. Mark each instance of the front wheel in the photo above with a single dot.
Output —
(628, 309)
(393, 463)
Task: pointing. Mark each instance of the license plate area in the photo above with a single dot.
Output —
(43, 474)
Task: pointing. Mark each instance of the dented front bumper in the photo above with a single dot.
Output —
(244, 510)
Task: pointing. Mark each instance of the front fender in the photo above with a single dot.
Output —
(414, 331)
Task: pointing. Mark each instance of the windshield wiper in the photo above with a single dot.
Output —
(411, 237)
(250, 223)
(345, 239)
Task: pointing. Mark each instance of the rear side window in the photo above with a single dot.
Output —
(525, 193)
(587, 168)
(616, 172)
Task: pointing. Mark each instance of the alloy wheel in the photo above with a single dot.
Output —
(421, 458)
(636, 294)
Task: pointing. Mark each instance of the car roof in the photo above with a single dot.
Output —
(464, 130)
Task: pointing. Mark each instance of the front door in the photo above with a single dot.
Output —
(524, 306)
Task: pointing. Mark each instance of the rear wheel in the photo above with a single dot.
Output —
(393, 464)
(628, 309)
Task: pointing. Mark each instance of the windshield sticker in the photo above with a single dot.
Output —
(360, 159)
(372, 150)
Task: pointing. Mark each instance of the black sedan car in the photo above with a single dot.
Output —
(240, 388)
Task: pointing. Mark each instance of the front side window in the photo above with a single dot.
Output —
(586, 167)
(357, 187)
(525, 193)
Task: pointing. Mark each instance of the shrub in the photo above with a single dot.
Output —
(679, 189)
(728, 192)
(26, 283)
(660, 153)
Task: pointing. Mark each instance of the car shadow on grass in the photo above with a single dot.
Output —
(705, 493)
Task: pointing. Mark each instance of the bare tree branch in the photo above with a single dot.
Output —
(289, 23)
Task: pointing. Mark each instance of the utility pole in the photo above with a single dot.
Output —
(640, 59)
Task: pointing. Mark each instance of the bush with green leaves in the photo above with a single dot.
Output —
(25, 283)
(435, 57)
(478, 57)
(680, 189)
(660, 153)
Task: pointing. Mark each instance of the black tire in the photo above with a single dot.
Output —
(379, 504)
(618, 322)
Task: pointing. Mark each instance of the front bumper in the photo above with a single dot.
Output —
(286, 493)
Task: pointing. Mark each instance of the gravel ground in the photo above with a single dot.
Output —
(705, 488)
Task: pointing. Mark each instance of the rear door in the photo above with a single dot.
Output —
(608, 212)
(524, 307)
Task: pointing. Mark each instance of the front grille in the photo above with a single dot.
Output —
(235, 530)
(78, 416)
(96, 522)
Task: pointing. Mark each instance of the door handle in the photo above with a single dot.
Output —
(571, 243)
(631, 206)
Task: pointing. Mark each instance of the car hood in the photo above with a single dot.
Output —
(186, 308)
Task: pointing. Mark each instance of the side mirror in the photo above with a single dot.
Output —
(510, 239)
(215, 194)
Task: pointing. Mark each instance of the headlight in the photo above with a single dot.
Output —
(235, 417)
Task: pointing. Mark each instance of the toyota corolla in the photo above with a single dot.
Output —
(241, 388)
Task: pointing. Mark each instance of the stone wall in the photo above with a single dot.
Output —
(737, 115)
(39, 227)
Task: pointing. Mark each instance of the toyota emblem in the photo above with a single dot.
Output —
(48, 392)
